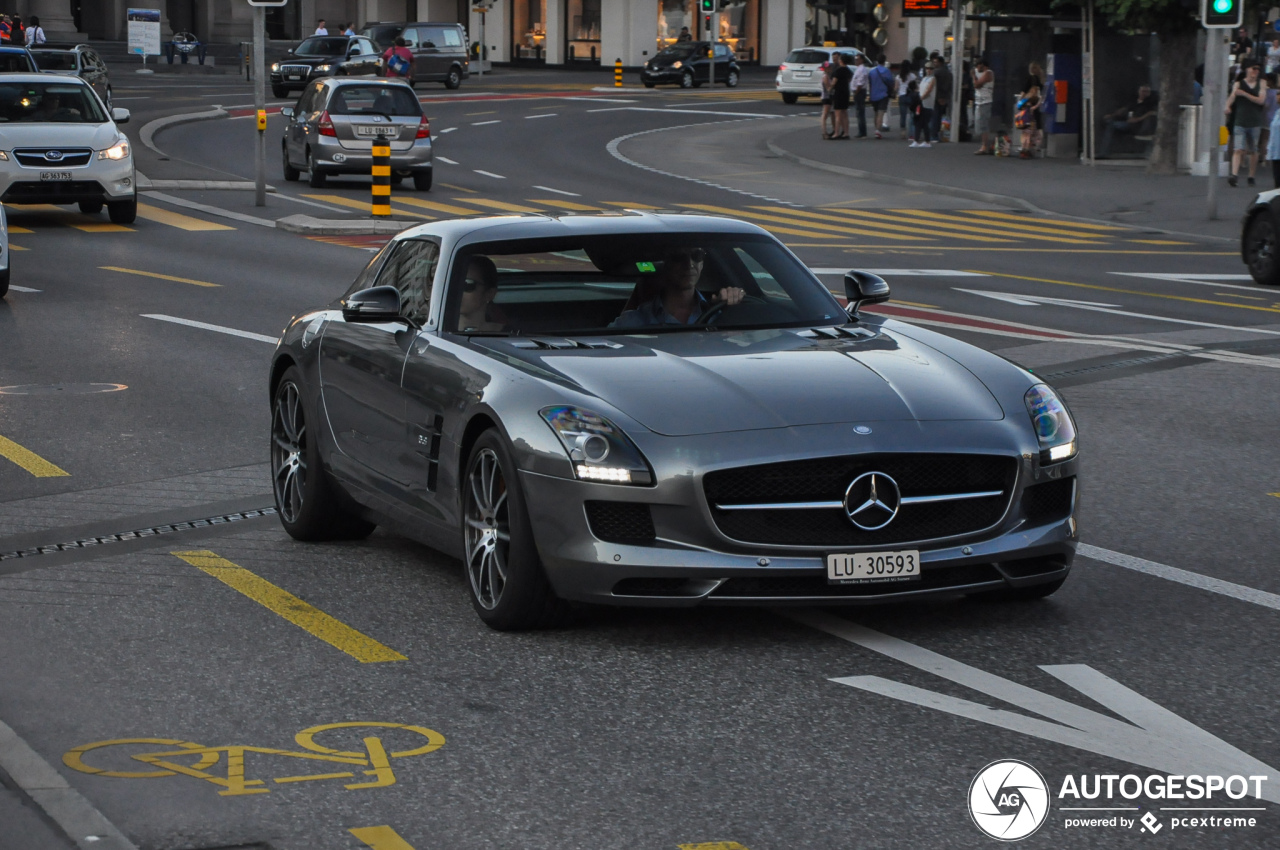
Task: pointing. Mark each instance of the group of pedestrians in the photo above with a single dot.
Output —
(13, 31)
(851, 81)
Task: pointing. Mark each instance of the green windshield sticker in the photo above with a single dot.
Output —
(646, 267)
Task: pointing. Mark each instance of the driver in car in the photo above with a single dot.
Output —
(674, 297)
(477, 312)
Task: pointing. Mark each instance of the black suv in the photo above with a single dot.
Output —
(439, 50)
(324, 56)
(687, 63)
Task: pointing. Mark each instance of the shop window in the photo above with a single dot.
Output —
(740, 28)
(529, 29)
(583, 30)
(674, 16)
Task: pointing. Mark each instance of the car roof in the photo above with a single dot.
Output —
(13, 50)
(42, 78)
(337, 82)
(551, 226)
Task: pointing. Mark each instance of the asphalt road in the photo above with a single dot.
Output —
(640, 729)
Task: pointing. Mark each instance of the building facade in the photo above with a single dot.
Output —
(550, 32)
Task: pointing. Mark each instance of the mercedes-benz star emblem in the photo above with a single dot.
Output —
(872, 501)
(53, 156)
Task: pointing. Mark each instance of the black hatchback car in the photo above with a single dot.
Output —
(325, 56)
(688, 64)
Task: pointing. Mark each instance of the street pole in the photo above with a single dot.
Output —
(260, 104)
(957, 65)
(1212, 101)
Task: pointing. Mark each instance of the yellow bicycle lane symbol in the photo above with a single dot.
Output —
(190, 759)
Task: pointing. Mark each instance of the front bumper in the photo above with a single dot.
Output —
(101, 180)
(333, 158)
(799, 87)
(690, 563)
(661, 75)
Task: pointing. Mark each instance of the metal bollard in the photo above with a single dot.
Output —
(617, 73)
(381, 177)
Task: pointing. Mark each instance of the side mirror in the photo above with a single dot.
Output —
(286, 111)
(120, 116)
(290, 51)
(376, 304)
(864, 288)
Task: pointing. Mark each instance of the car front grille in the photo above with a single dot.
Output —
(790, 587)
(827, 479)
(620, 522)
(296, 69)
(1049, 501)
(37, 157)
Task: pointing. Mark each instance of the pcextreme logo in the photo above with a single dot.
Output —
(1009, 800)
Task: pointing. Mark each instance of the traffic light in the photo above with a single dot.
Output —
(1221, 14)
(709, 6)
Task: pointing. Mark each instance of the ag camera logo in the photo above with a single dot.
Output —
(1009, 800)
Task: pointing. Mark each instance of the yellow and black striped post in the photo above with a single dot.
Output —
(617, 73)
(381, 176)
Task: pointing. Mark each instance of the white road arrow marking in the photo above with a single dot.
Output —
(1153, 737)
(1029, 300)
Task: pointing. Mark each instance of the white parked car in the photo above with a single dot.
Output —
(59, 144)
(801, 74)
(4, 253)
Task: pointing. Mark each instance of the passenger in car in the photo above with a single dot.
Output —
(672, 298)
(476, 312)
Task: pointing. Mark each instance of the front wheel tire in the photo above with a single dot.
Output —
(290, 173)
(4, 283)
(454, 80)
(686, 80)
(1261, 252)
(279, 91)
(731, 81)
(509, 588)
(123, 212)
(306, 501)
(315, 177)
(790, 98)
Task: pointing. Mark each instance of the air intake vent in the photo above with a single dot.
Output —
(620, 522)
(1049, 501)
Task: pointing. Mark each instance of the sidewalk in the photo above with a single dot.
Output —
(1114, 193)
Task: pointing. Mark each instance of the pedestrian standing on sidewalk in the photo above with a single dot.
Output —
(841, 82)
(19, 35)
(321, 28)
(1032, 90)
(984, 84)
(35, 33)
(880, 81)
(1273, 147)
(828, 70)
(1269, 109)
(943, 83)
(906, 112)
(858, 90)
(1247, 101)
(1273, 54)
(928, 96)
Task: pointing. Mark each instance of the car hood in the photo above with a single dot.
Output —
(311, 60)
(702, 383)
(96, 136)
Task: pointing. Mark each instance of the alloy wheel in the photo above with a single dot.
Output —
(488, 531)
(289, 451)
(1261, 248)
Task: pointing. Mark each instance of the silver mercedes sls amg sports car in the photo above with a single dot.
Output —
(645, 409)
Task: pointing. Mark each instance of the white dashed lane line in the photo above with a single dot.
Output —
(446, 130)
(445, 160)
(544, 115)
(558, 191)
(482, 123)
(191, 323)
(489, 174)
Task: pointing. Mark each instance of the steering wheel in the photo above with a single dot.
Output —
(713, 312)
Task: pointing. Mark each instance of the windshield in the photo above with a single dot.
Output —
(383, 36)
(322, 46)
(633, 284)
(31, 103)
(374, 100)
(676, 51)
(18, 63)
(55, 60)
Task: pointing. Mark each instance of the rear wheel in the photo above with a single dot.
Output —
(90, 207)
(1261, 251)
(454, 80)
(686, 80)
(788, 97)
(422, 180)
(306, 501)
(290, 173)
(509, 588)
(123, 212)
(315, 175)
(279, 91)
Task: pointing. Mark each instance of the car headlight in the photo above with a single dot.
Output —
(677, 64)
(120, 150)
(4, 157)
(599, 450)
(275, 66)
(1052, 423)
(324, 69)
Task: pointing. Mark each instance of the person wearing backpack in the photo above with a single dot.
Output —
(35, 33)
(397, 61)
(880, 81)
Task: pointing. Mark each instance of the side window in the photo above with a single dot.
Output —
(411, 270)
(410, 36)
(722, 52)
(430, 37)
(452, 37)
(364, 280)
(366, 46)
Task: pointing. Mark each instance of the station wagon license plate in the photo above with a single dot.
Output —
(869, 567)
(55, 175)
(377, 130)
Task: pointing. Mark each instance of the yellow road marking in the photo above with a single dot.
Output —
(915, 304)
(364, 206)
(1138, 292)
(955, 222)
(13, 229)
(564, 205)
(1274, 494)
(380, 838)
(459, 188)
(812, 233)
(1233, 295)
(159, 276)
(432, 205)
(490, 112)
(13, 247)
(303, 615)
(866, 219)
(498, 205)
(178, 220)
(29, 460)
(1023, 218)
(96, 227)
(629, 205)
(1159, 242)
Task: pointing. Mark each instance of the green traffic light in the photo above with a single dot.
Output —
(1223, 7)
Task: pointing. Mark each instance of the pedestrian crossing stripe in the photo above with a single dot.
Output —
(835, 229)
(498, 205)
(1079, 225)
(953, 225)
(1062, 233)
(178, 220)
(36, 217)
(555, 203)
(892, 225)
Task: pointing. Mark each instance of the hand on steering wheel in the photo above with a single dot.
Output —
(727, 297)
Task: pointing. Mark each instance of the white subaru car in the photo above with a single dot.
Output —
(59, 144)
(801, 74)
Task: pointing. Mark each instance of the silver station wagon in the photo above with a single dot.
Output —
(332, 128)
